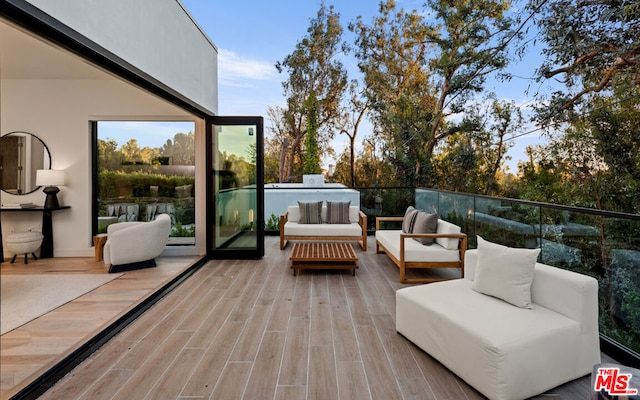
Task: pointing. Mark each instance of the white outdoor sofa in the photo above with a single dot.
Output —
(355, 230)
(506, 352)
(447, 251)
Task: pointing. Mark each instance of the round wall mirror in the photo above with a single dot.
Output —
(21, 155)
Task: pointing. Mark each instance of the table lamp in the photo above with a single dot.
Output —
(51, 179)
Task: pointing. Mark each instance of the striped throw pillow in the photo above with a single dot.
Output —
(338, 212)
(310, 213)
(409, 219)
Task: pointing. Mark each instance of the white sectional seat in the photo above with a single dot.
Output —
(292, 229)
(504, 351)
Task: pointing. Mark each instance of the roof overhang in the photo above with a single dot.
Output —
(26, 34)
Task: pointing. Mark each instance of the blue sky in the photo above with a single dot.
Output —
(251, 36)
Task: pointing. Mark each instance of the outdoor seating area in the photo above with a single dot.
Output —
(554, 316)
(268, 333)
(417, 246)
(344, 223)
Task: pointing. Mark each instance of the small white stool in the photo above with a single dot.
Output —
(24, 243)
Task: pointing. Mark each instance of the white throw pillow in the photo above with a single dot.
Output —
(505, 272)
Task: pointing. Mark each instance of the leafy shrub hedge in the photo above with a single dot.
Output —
(114, 184)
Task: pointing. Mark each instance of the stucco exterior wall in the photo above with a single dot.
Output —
(158, 37)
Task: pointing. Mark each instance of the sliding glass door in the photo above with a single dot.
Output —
(237, 215)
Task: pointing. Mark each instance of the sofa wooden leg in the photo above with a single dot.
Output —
(402, 274)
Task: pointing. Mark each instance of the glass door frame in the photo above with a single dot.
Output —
(234, 253)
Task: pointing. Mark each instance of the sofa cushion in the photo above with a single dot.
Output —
(292, 228)
(448, 228)
(338, 212)
(425, 223)
(505, 272)
(310, 212)
(414, 251)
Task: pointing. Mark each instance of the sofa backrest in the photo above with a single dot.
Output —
(569, 293)
(294, 213)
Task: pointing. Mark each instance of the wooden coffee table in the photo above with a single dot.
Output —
(323, 255)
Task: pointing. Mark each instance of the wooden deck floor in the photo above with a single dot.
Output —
(30, 350)
(251, 330)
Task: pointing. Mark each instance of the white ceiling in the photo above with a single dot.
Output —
(24, 56)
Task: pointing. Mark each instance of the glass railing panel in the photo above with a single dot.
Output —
(508, 223)
(456, 208)
(427, 200)
(570, 240)
(393, 202)
(619, 277)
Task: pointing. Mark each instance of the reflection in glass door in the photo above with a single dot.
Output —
(238, 189)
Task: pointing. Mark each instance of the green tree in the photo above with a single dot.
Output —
(271, 160)
(593, 48)
(353, 115)
(314, 67)
(470, 38)
(457, 166)
(311, 151)
(392, 53)
(540, 179)
(489, 126)
(131, 152)
(181, 150)
(370, 170)
(109, 155)
(419, 72)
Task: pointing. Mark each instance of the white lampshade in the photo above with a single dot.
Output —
(50, 177)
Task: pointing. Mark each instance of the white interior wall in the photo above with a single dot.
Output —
(58, 112)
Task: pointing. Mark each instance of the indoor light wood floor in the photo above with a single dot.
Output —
(251, 330)
(28, 351)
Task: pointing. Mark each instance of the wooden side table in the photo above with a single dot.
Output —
(98, 243)
(323, 255)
